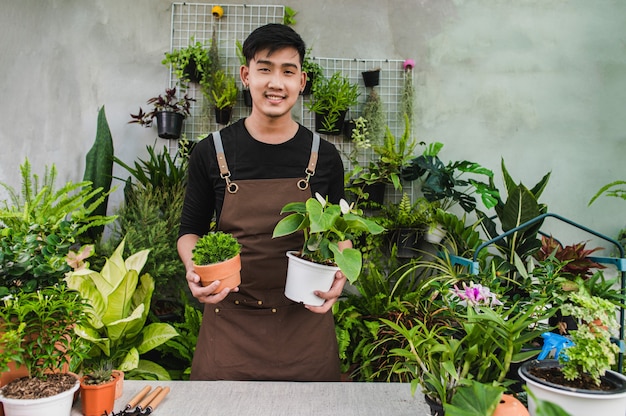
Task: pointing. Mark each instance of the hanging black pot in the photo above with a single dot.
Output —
(330, 123)
(169, 124)
(436, 409)
(191, 71)
(308, 85)
(371, 78)
(247, 97)
(222, 115)
(348, 126)
(376, 192)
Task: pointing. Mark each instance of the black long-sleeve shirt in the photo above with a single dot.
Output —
(248, 158)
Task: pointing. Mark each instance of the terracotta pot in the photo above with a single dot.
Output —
(305, 277)
(510, 406)
(119, 384)
(227, 272)
(97, 400)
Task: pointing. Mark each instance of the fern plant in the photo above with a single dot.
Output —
(39, 224)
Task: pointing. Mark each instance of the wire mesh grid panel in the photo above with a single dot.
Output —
(194, 22)
(389, 89)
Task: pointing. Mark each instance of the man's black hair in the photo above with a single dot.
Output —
(273, 37)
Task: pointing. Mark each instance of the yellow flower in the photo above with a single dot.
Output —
(217, 12)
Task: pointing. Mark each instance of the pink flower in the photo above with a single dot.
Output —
(408, 64)
(475, 295)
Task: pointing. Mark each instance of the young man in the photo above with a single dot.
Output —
(254, 332)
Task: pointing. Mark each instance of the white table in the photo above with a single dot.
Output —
(243, 398)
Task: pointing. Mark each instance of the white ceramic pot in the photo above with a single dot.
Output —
(576, 402)
(435, 234)
(57, 405)
(305, 277)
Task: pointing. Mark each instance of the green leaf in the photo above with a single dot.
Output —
(290, 224)
(474, 399)
(154, 335)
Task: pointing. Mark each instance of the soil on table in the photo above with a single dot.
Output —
(555, 375)
(35, 388)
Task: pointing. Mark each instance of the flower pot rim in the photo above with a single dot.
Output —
(294, 254)
(611, 377)
(27, 402)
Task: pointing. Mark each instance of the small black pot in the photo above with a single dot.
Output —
(376, 192)
(169, 124)
(191, 71)
(222, 115)
(247, 97)
(371, 78)
(406, 241)
(337, 127)
(308, 85)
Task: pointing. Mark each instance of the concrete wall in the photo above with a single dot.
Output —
(539, 83)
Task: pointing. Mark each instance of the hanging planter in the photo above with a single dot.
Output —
(169, 124)
(223, 115)
(247, 97)
(406, 240)
(371, 78)
(330, 123)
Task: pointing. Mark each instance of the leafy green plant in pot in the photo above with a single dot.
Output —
(216, 256)
(98, 387)
(331, 99)
(39, 333)
(580, 380)
(223, 95)
(313, 71)
(392, 156)
(327, 227)
(169, 112)
(191, 63)
(119, 299)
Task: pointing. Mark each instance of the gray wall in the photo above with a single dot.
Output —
(539, 83)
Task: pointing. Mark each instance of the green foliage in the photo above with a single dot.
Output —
(39, 225)
(194, 57)
(215, 247)
(223, 90)
(99, 167)
(332, 96)
(593, 352)
(45, 321)
(405, 214)
(166, 102)
(614, 189)
(374, 113)
(475, 399)
(313, 69)
(393, 155)
(445, 184)
(99, 374)
(288, 18)
(119, 302)
(325, 225)
(182, 348)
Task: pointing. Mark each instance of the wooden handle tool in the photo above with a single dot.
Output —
(133, 402)
(145, 402)
(158, 399)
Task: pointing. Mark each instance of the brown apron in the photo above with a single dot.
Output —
(257, 333)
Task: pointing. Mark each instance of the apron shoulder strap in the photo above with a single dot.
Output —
(221, 162)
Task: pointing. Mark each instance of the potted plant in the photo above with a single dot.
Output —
(313, 71)
(216, 256)
(331, 99)
(119, 302)
(392, 156)
(325, 226)
(189, 64)
(406, 223)
(97, 389)
(464, 333)
(39, 334)
(580, 380)
(169, 112)
(223, 95)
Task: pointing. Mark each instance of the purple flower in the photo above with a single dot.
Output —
(474, 295)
